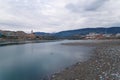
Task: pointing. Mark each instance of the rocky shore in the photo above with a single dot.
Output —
(103, 65)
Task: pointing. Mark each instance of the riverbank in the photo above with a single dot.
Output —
(5, 43)
(103, 65)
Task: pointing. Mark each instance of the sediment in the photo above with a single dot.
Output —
(103, 65)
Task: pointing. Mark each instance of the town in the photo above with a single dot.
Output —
(21, 35)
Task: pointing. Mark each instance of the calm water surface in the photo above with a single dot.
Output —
(36, 61)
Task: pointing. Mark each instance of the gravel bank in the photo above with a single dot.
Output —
(104, 65)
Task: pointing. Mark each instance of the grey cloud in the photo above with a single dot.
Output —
(14, 25)
(95, 5)
(73, 7)
(91, 6)
(58, 15)
(22, 7)
(10, 24)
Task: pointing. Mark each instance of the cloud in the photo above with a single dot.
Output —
(96, 5)
(58, 15)
(91, 5)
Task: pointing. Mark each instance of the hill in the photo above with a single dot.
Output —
(84, 31)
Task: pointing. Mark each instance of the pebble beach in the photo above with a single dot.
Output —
(104, 64)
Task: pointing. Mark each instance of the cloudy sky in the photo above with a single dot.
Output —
(58, 15)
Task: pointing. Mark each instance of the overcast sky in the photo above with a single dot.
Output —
(58, 15)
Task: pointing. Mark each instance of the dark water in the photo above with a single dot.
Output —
(37, 61)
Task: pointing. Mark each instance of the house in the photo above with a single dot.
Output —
(107, 35)
(20, 35)
(14, 35)
(118, 35)
(31, 35)
(94, 36)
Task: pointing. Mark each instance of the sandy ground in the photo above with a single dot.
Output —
(103, 65)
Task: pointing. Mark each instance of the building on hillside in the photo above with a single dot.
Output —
(9, 34)
(118, 35)
(91, 36)
(31, 36)
(21, 35)
(94, 36)
(107, 35)
(14, 35)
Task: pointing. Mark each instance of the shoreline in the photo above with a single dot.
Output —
(103, 65)
(5, 43)
(17, 42)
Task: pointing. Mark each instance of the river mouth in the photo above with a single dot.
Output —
(37, 61)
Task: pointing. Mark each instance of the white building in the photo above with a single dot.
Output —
(107, 35)
(91, 36)
(118, 35)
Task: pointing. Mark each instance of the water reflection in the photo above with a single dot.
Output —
(37, 60)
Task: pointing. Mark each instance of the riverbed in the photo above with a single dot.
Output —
(103, 65)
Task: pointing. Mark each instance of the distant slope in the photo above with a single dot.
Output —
(41, 33)
(112, 30)
(69, 33)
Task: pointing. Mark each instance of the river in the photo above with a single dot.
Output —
(37, 61)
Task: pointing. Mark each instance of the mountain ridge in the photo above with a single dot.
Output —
(84, 31)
